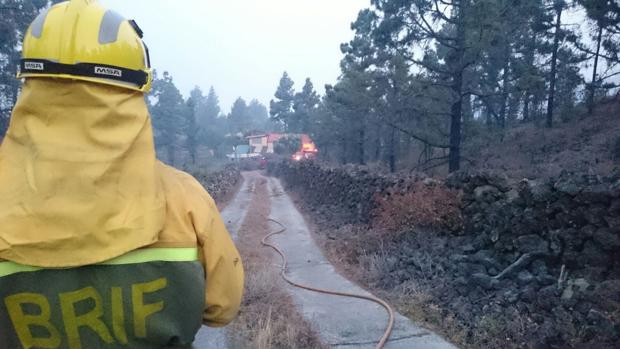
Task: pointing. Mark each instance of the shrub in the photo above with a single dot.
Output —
(427, 206)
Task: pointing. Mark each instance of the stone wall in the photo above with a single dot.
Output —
(537, 262)
(550, 249)
(219, 184)
(346, 192)
(571, 221)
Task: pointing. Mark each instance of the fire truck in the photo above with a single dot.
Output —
(298, 146)
(308, 149)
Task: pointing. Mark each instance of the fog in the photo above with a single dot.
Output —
(242, 47)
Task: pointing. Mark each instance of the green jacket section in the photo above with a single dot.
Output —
(151, 298)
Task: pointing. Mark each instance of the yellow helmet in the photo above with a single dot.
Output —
(79, 39)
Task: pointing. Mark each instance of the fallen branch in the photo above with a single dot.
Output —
(522, 262)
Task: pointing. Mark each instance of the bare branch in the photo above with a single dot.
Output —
(440, 13)
(411, 134)
(581, 48)
(426, 168)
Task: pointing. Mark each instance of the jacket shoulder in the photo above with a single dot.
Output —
(180, 182)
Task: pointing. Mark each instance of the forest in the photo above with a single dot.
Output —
(429, 76)
(421, 82)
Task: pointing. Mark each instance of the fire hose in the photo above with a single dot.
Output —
(384, 304)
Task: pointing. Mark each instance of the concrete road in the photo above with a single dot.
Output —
(233, 215)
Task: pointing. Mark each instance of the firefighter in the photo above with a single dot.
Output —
(101, 245)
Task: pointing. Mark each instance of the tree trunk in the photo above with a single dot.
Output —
(454, 158)
(535, 108)
(360, 145)
(554, 62)
(527, 96)
(468, 114)
(378, 144)
(455, 127)
(593, 86)
(345, 150)
(526, 107)
(392, 151)
(468, 110)
(504, 99)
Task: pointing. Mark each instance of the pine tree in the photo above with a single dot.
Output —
(558, 6)
(212, 125)
(605, 14)
(211, 108)
(198, 102)
(454, 28)
(190, 128)
(238, 119)
(281, 109)
(305, 104)
(259, 116)
(167, 114)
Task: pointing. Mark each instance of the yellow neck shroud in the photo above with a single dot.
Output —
(78, 178)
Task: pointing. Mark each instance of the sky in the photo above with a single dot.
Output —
(242, 47)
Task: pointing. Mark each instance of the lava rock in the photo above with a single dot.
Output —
(593, 255)
(525, 277)
(471, 268)
(548, 298)
(607, 239)
(532, 243)
(486, 193)
(528, 294)
(511, 296)
(602, 321)
(468, 249)
(573, 287)
(568, 186)
(595, 215)
(484, 281)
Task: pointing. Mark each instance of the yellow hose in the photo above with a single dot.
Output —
(381, 302)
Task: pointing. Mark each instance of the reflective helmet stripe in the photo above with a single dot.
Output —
(37, 25)
(110, 24)
(92, 70)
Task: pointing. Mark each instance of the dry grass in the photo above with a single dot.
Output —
(268, 317)
(433, 207)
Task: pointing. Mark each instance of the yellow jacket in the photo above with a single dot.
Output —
(192, 218)
(80, 186)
